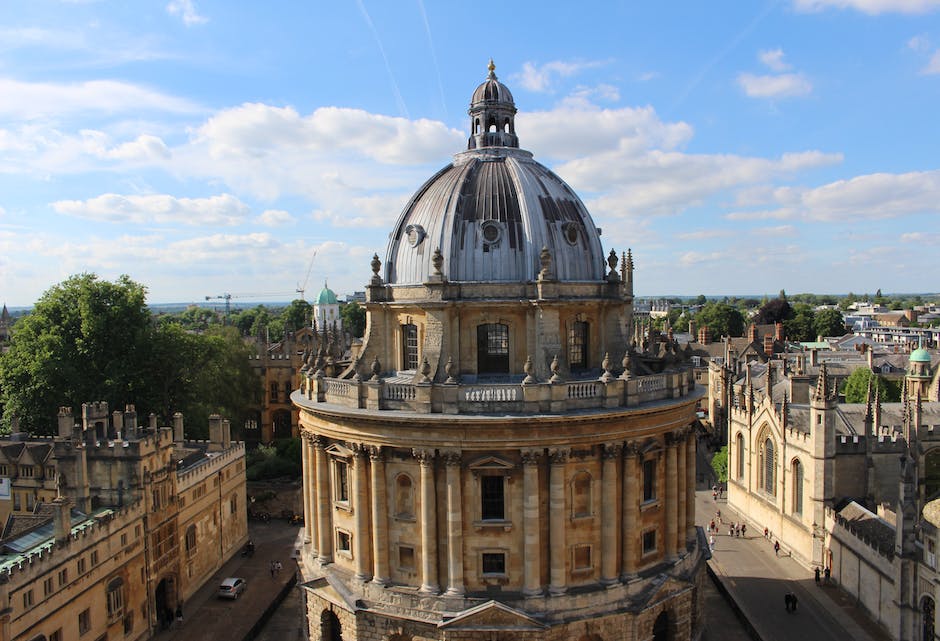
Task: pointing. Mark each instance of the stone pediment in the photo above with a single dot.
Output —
(490, 463)
(338, 450)
(665, 590)
(492, 617)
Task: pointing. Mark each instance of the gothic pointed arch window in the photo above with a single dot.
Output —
(767, 465)
(739, 457)
(796, 476)
(928, 612)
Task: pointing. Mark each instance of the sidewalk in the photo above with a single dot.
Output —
(756, 581)
(207, 617)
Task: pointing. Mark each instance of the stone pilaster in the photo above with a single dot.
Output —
(306, 451)
(682, 482)
(671, 502)
(428, 522)
(631, 508)
(380, 573)
(324, 522)
(361, 512)
(532, 555)
(690, 486)
(454, 525)
(556, 522)
(609, 514)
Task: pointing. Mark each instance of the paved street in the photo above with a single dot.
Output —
(757, 580)
(207, 618)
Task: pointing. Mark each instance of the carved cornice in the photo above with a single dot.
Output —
(317, 441)
(376, 453)
(424, 457)
(631, 449)
(451, 458)
(612, 450)
(559, 455)
(531, 457)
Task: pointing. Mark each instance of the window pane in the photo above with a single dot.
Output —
(409, 338)
(493, 507)
(494, 563)
(577, 345)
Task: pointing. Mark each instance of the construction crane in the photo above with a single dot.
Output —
(228, 303)
(302, 288)
(227, 297)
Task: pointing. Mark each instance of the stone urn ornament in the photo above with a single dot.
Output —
(425, 370)
(449, 370)
(555, 367)
(376, 369)
(529, 370)
(606, 377)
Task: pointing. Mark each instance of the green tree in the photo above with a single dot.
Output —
(354, 318)
(855, 387)
(720, 464)
(90, 340)
(721, 319)
(773, 311)
(700, 299)
(296, 315)
(829, 322)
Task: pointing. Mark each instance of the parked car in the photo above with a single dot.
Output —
(232, 588)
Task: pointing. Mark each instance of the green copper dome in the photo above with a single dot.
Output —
(919, 355)
(328, 297)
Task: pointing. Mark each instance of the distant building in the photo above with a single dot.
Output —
(326, 311)
(110, 524)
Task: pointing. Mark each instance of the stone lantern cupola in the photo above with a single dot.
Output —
(492, 114)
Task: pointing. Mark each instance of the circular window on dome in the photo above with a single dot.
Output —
(415, 234)
(491, 231)
(571, 233)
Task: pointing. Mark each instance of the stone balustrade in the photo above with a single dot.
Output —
(485, 398)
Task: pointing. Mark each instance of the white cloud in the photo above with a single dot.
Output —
(775, 86)
(275, 218)
(35, 100)
(186, 10)
(871, 7)
(933, 66)
(868, 197)
(541, 78)
(773, 58)
(144, 148)
(919, 43)
(706, 234)
(224, 209)
(692, 258)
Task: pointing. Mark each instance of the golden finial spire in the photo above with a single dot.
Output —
(491, 66)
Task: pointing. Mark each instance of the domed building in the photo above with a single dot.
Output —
(507, 458)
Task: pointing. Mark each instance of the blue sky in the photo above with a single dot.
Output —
(210, 146)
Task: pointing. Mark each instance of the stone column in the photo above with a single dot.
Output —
(532, 550)
(631, 507)
(361, 512)
(454, 525)
(308, 480)
(556, 522)
(609, 512)
(324, 522)
(428, 522)
(682, 482)
(690, 485)
(380, 573)
(671, 501)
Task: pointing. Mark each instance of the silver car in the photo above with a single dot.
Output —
(232, 588)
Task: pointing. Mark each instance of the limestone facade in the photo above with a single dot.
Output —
(139, 520)
(502, 460)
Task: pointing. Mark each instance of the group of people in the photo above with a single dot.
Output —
(734, 529)
(789, 600)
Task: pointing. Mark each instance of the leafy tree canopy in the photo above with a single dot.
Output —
(720, 464)
(721, 319)
(856, 387)
(774, 311)
(829, 322)
(89, 340)
(354, 318)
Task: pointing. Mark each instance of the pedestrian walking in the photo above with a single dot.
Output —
(776, 548)
(731, 529)
(718, 516)
(766, 532)
(826, 574)
(711, 527)
(743, 528)
(179, 615)
(816, 572)
(793, 602)
(272, 569)
(711, 542)
(277, 568)
(787, 601)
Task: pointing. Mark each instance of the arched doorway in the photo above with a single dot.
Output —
(928, 612)
(164, 601)
(281, 427)
(662, 630)
(330, 629)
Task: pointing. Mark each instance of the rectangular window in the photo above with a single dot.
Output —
(124, 539)
(63, 577)
(492, 492)
(274, 392)
(582, 557)
(577, 345)
(493, 348)
(406, 558)
(649, 541)
(16, 501)
(84, 621)
(4, 470)
(233, 504)
(128, 623)
(494, 563)
(343, 541)
(28, 599)
(56, 636)
(409, 346)
(94, 558)
(341, 482)
(81, 566)
(26, 471)
(47, 587)
(649, 480)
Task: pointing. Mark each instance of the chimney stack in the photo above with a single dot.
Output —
(778, 332)
(178, 427)
(66, 422)
(752, 333)
(215, 433)
(768, 345)
(704, 336)
(152, 422)
(62, 519)
(226, 434)
(117, 424)
(814, 357)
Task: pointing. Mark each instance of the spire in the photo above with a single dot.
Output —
(821, 393)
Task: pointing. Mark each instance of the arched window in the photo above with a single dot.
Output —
(506, 126)
(928, 612)
(662, 627)
(330, 628)
(493, 348)
(491, 125)
(739, 456)
(190, 540)
(797, 476)
(404, 497)
(409, 346)
(115, 597)
(581, 495)
(476, 125)
(767, 467)
(578, 346)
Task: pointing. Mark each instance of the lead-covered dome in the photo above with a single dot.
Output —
(492, 210)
